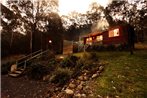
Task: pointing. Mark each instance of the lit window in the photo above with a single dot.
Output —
(99, 38)
(87, 39)
(90, 39)
(114, 33)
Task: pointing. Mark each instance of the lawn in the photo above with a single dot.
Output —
(125, 76)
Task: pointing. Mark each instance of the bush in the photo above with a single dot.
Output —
(78, 68)
(47, 56)
(52, 62)
(69, 61)
(5, 68)
(110, 47)
(37, 71)
(119, 47)
(61, 76)
(75, 48)
(88, 65)
(86, 62)
(100, 48)
(90, 56)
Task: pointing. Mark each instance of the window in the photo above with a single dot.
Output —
(89, 40)
(114, 33)
(99, 38)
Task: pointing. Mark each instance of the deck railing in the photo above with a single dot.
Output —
(25, 59)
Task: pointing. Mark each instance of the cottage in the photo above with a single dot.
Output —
(113, 36)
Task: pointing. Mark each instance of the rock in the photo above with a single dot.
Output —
(69, 91)
(45, 78)
(85, 74)
(81, 78)
(83, 95)
(83, 83)
(78, 95)
(101, 68)
(60, 95)
(85, 78)
(91, 95)
(13, 68)
(57, 89)
(78, 81)
(71, 85)
(8, 96)
(94, 76)
(114, 87)
(99, 96)
(86, 87)
(98, 71)
(47, 95)
(117, 97)
(85, 71)
(107, 97)
(80, 87)
(72, 81)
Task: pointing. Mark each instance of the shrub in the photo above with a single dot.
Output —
(69, 61)
(110, 47)
(61, 76)
(122, 47)
(119, 47)
(86, 62)
(100, 48)
(37, 71)
(52, 62)
(78, 68)
(90, 56)
(75, 48)
(48, 55)
(88, 65)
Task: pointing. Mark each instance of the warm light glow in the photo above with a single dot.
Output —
(90, 39)
(50, 41)
(81, 6)
(114, 33)
(99, 38)
(87, 39)
(61, 57)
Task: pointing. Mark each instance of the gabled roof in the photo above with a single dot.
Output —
(94, 34)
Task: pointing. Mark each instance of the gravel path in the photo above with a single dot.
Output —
(22, 88)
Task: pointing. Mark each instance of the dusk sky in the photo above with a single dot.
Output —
(81, 6)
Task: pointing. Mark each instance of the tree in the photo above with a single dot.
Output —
(11, 25)
(129, 12)
(36, 18)
(76, 23)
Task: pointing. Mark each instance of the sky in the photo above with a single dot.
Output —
(81, 6)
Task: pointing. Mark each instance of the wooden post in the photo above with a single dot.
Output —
(84, 48)
(25, 64)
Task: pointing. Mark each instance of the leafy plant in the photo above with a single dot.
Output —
(90, 56)
(110, 48)
(37, 71)
(69, 61)
(61, 76)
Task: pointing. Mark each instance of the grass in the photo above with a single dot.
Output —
(125, 75)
